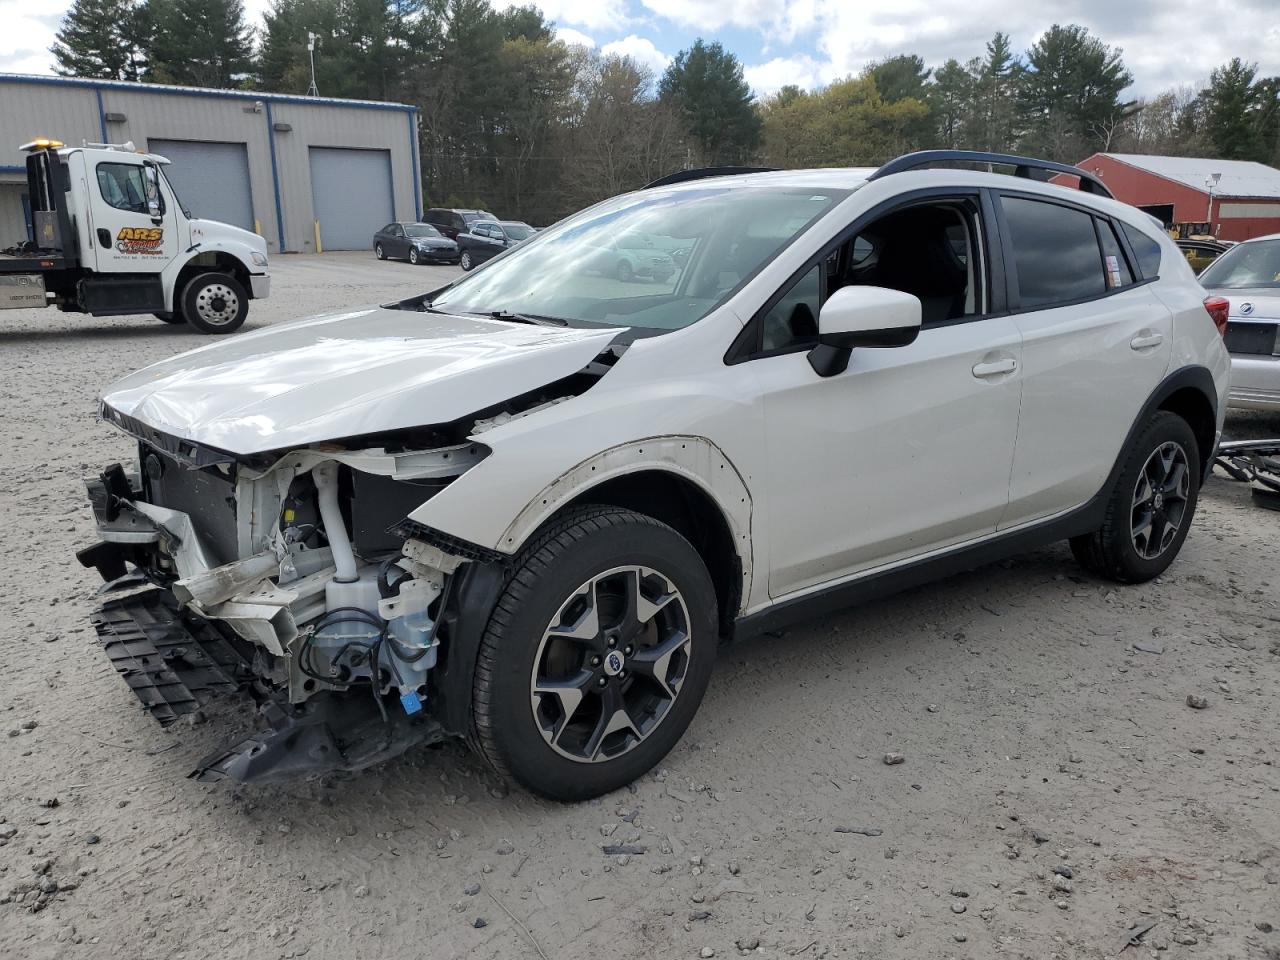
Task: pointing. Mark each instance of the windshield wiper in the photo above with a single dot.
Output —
(533, 318)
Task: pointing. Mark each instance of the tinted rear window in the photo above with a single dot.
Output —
(1146, 250)
(1055, 251)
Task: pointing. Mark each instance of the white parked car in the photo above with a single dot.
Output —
(525, 509)
(1248, 277)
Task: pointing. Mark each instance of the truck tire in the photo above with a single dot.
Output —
(215, 303)
(170, 318)
(609, 621)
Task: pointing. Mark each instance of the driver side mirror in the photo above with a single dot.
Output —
(857, 316)
(152, 178)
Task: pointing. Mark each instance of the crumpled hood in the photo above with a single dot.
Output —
(1262, 303)
(348, 374)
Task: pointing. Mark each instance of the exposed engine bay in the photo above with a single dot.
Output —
(294, 577)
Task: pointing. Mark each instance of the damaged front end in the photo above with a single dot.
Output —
(288, 577)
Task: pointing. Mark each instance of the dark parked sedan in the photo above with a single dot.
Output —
(488, 238)
(415, 242)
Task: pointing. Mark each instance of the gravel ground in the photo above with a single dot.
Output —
(1055, 788)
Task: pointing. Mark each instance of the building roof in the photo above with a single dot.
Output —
(1240, 178)
(201, 92)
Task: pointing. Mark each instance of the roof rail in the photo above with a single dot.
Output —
(1022, 166)
(682, 176)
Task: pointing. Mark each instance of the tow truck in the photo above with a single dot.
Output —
(110, 237)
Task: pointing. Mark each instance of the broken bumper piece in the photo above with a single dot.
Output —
(174, 664)
(329, 734)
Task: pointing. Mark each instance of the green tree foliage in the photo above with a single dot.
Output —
(950, 98)
(996, 79)
(1241, 112)
(706, 86)
(846, 124)
(1070, 93)
(102, 39)
(199, 43)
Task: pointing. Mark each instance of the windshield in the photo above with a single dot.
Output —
(176, 199)
(420, 230)
(577, 271)
(1254, 264)
(518, 231)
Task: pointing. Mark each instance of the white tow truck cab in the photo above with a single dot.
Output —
(111, 237)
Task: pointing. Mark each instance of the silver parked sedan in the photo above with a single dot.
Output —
(1248, 275)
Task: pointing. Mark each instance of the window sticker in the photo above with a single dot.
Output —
(1113, 272)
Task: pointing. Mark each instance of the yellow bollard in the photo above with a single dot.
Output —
(319, 248)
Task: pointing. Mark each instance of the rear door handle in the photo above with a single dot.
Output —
(995, 368)
(1144, 340)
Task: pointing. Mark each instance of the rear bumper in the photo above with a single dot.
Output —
(259, 286)
(1255, 382)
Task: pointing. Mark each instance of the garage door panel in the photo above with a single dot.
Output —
(351, 195)
(211, 178)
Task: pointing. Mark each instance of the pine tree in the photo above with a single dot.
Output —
(200, 43)
(102, 40)
(706, 85)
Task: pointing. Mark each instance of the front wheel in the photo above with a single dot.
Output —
(1151, 507)
(413, 255)
(465, 260)
(596, 656)
(379, 252)
(215, 303)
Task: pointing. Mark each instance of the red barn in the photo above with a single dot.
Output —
(1238, 199)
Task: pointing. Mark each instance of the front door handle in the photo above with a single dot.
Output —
(994, 368)
(1146, 339)
(104, 238)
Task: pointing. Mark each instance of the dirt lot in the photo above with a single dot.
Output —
(1042, 716)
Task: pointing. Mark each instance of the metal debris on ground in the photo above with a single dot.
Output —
(1256, 462)
(1133, 937)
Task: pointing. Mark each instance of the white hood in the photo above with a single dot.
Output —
(348, 374)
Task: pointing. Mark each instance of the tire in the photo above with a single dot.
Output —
(624, 272)
(543, 740)
(173, 318)
(379, 252)
(1147, 499)
(215, 303)
(465, 260)
(413, 255)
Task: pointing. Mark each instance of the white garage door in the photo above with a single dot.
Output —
(351, 195)
(212, 179)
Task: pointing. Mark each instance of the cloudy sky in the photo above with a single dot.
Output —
(810, 42)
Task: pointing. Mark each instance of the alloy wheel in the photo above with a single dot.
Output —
(611, 664)
(1160, 500)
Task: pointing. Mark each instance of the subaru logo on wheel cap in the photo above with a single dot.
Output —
(1246, 308)
(613, 663)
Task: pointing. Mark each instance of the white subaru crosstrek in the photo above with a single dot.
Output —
(526, 508)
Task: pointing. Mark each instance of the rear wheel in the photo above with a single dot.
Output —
(465, 260)
(1151, 507)
(596, 656)
(215, 303)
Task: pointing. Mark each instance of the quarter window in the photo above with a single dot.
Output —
(1055, 252)
(123, 187)
(1146, 250)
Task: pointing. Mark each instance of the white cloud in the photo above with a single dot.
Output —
(591, 14)
(26, 38)
(574, 38)
(639, 49)
(803, 71)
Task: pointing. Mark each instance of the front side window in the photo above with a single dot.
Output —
(123, 186)
(579, 272)
(1252, 264)
(1055, 252)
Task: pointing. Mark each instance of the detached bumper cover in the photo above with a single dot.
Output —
(174, 664)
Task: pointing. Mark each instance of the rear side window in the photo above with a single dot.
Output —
(1055, 252)
(1114, 265)
(1146, 250)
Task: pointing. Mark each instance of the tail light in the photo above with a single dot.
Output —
(1219, 311)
